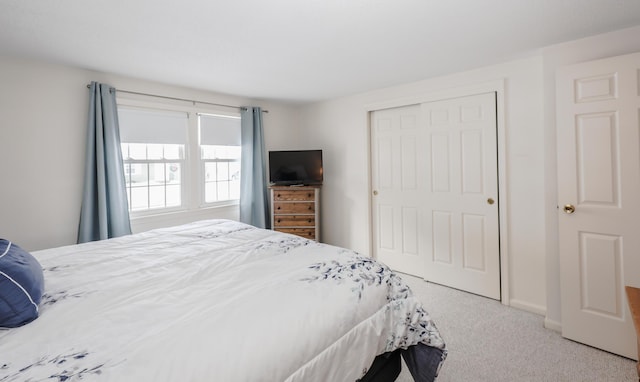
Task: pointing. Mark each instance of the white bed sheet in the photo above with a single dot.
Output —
(212, 300)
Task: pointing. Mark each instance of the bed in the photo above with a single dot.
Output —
(218, 300)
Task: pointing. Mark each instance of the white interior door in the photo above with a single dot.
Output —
(461, 222)
(434, 176)
(398, 155)
(598, 104)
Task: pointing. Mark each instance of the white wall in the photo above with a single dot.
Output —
(43, 116)
(341, 128)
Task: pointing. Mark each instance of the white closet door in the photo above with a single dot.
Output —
(434, 178)
(598, 104)
(461, 197)
(398, 158)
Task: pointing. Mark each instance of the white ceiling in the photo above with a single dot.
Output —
(297, 50)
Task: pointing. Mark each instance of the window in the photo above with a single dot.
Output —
(182, 159)
(153, 152)
(153, 175)
(220, 154)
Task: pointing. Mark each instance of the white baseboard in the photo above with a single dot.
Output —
(552, 325)
(537, 309)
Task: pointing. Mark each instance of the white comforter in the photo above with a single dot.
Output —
(212, 301)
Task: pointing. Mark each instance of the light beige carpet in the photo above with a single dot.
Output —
(488, 341)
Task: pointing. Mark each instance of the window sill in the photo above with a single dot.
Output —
(163, 219)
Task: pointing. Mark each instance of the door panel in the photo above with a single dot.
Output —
(597, 150)
(598, 104)
(441, 238)
(440, 168)
(600, 274)
(472, 155)
(473, 227)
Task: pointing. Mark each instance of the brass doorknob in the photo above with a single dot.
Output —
(375, 192)
(569, 208)
(490, 201)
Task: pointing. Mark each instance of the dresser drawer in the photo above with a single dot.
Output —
(308, 233)
(294, 220)
(293, 208)
(293, 195)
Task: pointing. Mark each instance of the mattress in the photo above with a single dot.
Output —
(215, 300)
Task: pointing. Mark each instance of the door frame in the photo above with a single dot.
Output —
(496, 86)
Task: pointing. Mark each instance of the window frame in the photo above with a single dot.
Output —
(192, 171)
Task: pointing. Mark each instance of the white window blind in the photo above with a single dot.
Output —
(219, 130)
(220, 149)
(152, 126)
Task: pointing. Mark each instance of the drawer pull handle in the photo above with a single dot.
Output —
(309, 221)
(278, 220)
(278, 208)
(309, 208)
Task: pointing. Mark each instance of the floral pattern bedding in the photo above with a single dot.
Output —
(213, 300)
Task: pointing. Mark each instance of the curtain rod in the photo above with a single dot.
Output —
(178, 99)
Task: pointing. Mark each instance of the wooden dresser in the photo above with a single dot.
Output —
(296, 210)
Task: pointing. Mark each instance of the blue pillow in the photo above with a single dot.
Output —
(21, 285)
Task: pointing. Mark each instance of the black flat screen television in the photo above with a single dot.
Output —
(295, 167)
